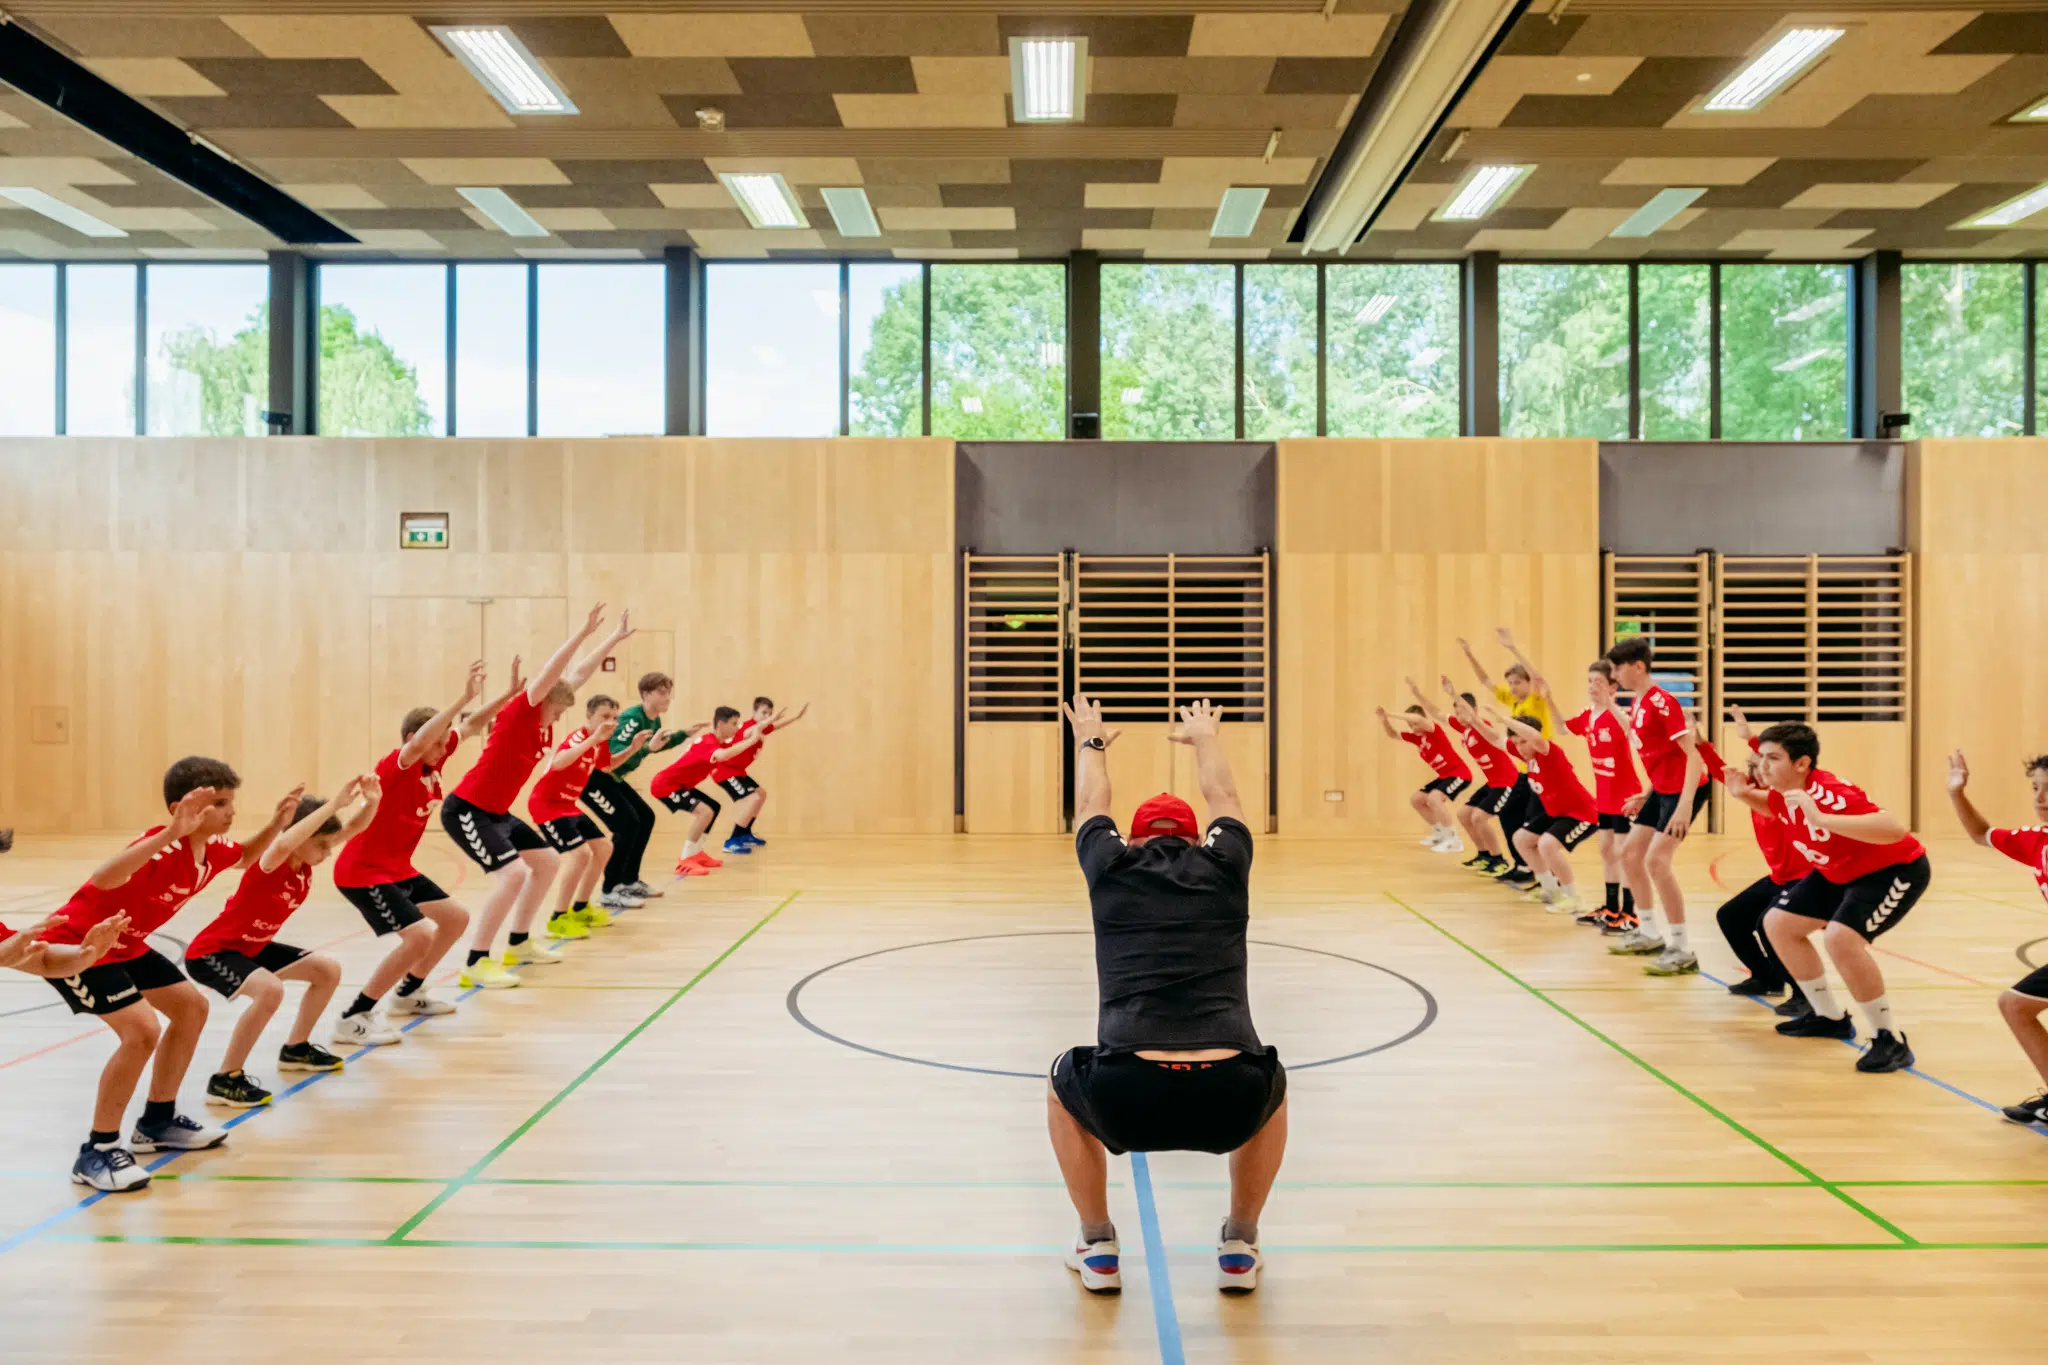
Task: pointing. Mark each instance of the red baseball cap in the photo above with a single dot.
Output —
(1165, 814)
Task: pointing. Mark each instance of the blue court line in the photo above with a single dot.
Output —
(71, 1211)
(1157, 1275)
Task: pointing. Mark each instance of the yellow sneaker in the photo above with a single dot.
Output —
(487, 975)
(566, 925)
(533, 951)
(593, 917)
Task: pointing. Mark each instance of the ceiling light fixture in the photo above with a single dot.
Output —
(1771, 70)
(2033, 113)
(2012, 210)
(1484, 189)
(1238, 212)
(1048, 80)
(852, 214)
(766, 199)
(1664, 205)
(56, 210)
(1375, 308)
(496, 57)
(504, 211)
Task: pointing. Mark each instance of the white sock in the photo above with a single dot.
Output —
(1674, 937)
(692, 847)
(1878, 1014)
(1820, 997)
(1568, 893)
(1547, 882)
(1646, 917)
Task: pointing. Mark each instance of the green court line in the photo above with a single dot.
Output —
(1813, 1177)
(469, 1176)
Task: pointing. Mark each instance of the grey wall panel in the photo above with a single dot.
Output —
(1115, 497)
(1752, 498)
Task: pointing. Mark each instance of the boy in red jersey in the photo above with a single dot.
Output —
(1490, 817)
(238, 955)
(374, 870)
(1671, 758)
(1742, 918)
(1434, 799)
(584, 847)
(1868, 872)
(1604, 727)
(1568, 816)
(2022, 1003)
(676, 785)
(731, 775)
(478, 813)
(148, 883)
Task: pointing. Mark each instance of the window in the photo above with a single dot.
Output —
(28, 350)
(1564, 350)
(1393, 334)
(490, 350)
(1169, 352)
(99, 350)
(1784, 352)
(1674, 313)
(383, 350)
(771, 349)
(1279, 351)
(1962, 348)
(885, 350)
(999, 354)
(603, 350)
(209, 349)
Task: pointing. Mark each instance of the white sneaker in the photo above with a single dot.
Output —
(1100, 1267)
(619, 898)
(644, 891)
(364, 1030)
(531, 952)
(1237, 1267)
(1451, 845)
(1435, 837)
(1565, 905)
(420, 1003)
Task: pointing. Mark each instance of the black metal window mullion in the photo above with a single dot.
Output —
(925, 333)
(1635, 354)
(1237, 284)
(1322, 348)
(533, 348)
(1714, 351)
(449, 424)
(62, 303)
(845, 350)
(2029, 323)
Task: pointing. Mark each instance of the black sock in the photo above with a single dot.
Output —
(580, 905)
(363, 1005)
(411, 985)
(747, 828)
(476, 955)
(1628, 901)
(98, 1139)
(515, 938)
(1614, 895)
(159, 1111)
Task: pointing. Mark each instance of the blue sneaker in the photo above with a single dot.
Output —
(176, 1134)
(738, 845)
(756, 840)
(109, 1169)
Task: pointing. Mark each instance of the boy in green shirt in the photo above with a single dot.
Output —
(622, 809)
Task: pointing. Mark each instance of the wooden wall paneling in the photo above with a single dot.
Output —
(888, 496)
(1143, 763)
(1013, 777)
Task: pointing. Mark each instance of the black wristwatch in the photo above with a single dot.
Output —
(1095, 743)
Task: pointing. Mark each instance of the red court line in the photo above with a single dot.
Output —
(1714, 871)
(43, 1051)
(1889, 952)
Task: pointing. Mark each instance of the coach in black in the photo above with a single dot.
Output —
(1177, 1065)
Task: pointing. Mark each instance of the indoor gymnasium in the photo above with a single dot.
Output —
(1283, 681)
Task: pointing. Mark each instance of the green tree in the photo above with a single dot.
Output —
(1675, 313)
(1564, 350)
(234, 376)
(1169, 343)
(1784, 352)
(365, 388)
(1393, 337)
(886, 396)
(1963, 348)
(1279, 351)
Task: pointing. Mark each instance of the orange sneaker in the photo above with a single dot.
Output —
(704, 860)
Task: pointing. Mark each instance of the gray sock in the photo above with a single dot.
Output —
(1091, 1233)
(1234, 1231)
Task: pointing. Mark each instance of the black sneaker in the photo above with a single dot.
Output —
(2034, 1110)
(1756, 985)
(1794, 1006)
(175, 1134)
(1887, 1052)
(1520, 878)
(306, 1057)
(1811, 1025)
(239, 1091)
(1591, 917)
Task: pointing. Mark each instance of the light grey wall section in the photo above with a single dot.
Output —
(1752, 498)
(1114, 497)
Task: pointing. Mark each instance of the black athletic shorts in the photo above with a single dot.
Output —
(1563, 828)
(1659, 807)
(108, 987)
(225, 973)
(491, 841)
(1451, 787)
(738, 788)
(1615, 821)
(391, 906)
(1131, 1104)
(2034, 983)
(1492, 800)
(690, 798)
(1872, 905)
(570, 832)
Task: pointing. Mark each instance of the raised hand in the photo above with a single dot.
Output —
(1450, 688)
(369, 788)
(1086, 718)
(595, 619)
(623, 628)
(518, 678)
(102, 937)
(1958, 771)
(473, 685)
(190, 810)
(604, 731)
(1505, 636)
(1199, 720)
(288, 805)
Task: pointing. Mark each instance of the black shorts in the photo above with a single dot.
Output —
(391, 906)
(1659, 807)
(1872, 905)
(1614, 822)
(1451, 787)
(2034, 983)
(225, 972)
(690, 798)
(1134, 1105)
(109, 987)
(491, 841)
(1563, 828)
(1492, 800)
(570, 832)
(740, 787)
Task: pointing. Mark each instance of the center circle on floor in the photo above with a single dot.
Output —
(1007, 1004)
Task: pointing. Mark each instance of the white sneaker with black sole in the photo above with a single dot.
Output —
(618, 898)
(364, 1030)
(643, 890)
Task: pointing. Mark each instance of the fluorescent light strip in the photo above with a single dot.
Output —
(1238, 212)
(2033, 113)
(1482, 190)
(766, 199)
(1771, 70)
(1375, 308)
(504, 211)
(2006, 214)
(1048, 79)
(496, 57)
(1664, 205)
(852, 214)
(56, 210)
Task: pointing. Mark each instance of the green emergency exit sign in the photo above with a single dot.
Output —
(423, 531)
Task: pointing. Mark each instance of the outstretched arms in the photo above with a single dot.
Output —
(287, 807)
(1478, 669)
(543, 682)
(480, 719)
(588, 664)
(288, 841)
(1974, 824)
(1091, 758)
(185, 817)
(427, 739)
(1422, 701)
(1200, 728)
(1386, 722)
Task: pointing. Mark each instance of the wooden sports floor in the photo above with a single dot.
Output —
(644, 1156)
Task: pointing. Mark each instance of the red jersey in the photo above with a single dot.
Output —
(383, 851)
(517, 741)
(258, 909)
(739, 763)
(1781, 856)
(1556, 784)
(2027, 845)
(1437, 752)
(1658, 720)
(1837, 857)
(5, 933)
(151, 898)
(555, 795)
(692, 766)
(1614, 777)
(1496, 764)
